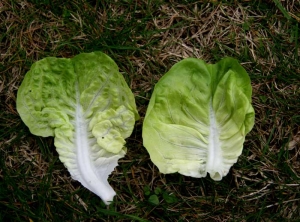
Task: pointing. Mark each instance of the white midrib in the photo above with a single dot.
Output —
(214, 158)
(87, 171)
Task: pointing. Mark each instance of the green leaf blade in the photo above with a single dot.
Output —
(85, 103)
(198, 117)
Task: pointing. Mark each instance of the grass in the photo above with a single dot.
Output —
(146, 38)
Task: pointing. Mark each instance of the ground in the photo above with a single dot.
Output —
(145, 38)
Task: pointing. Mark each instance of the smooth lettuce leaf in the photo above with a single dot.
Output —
(198, 117)
(85, 103)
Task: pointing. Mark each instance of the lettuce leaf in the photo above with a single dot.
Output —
(85, 103)
(198, 117)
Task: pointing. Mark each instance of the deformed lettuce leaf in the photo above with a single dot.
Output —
(198, 117)
(85, 103)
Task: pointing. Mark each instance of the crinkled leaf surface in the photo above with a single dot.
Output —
(198, 117)
(85, 103)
